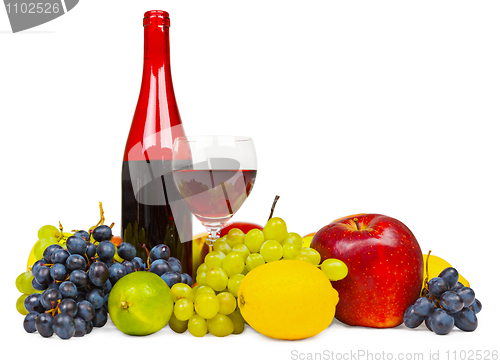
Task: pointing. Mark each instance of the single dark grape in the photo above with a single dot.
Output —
(106, 250)
(91, 249)
(160, 267)
(58, 272)
(83, 234)
(47, 253)
(451, 302)
(96, 298)
(68, 289)
(186, 278)
(411, 319)
(50, 298)
(37, 265)
(142, 265)
(76, 245)
(43, 323)
(33, 303)
(98, 273)
(42, 275)
(80, 327)
(476, 306)
(68, 306)
(102, 233)
(175, 264)
(64, 326)
(59, 256)
(437, 286)
(457, 286)
(160, 251)
(101, 317)
(29, 322)
(116, 271)
(171, 278)
(75, 262)
(441, 322)
(79, 278)
(38, 286)
(423, 306)
(80, 296)
(85, 310)
(128, 265)
(467, 294)
(466, 319)
(88, 327)
(427, 322)
(106, 287)
(450, 275)
(126, 251)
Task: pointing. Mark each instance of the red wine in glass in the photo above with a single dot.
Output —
(214, 195)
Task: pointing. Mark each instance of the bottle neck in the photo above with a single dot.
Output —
(156, 52)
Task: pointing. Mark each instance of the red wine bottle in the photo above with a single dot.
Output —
(152, 210)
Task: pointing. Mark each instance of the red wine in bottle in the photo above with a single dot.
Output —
(152, 210)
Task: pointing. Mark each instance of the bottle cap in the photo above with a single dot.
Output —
(156, 17)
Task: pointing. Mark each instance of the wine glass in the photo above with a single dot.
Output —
(214, 175)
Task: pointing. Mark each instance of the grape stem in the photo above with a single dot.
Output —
(148, 262)
(273, 206)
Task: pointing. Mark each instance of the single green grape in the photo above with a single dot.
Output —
(182, 290)
(271, 251)
(204, 289)
(242, 250)
(275, 229)
(233, 263)
(227, 303)
(220, 325)
(42, 244)
(206, 305)
(183, 309)
(304, 258)
(254, 260)
(221, 245)
(253, 240)
(201, 268)
(313, 254)
(235, 236)
(202, 278)
(294, 239)
(20, 304)
(48, 231)
(290, 251)
(197, 326)
(23, 283)
(238, 322)
(217, 278)
(233, 284)
(176, 325)
(334, 269)
(214, 259)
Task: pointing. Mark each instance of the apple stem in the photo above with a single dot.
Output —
(273, 206)
(356, 222)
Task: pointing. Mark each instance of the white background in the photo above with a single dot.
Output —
(388, 107)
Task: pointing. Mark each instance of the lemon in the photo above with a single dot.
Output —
(140, 304)
(436, 266)
(287, 299)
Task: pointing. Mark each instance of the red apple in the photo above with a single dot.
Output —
(385, 268)
(243, 226)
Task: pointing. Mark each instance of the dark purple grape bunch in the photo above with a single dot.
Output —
(167, 267)
(446, 303)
